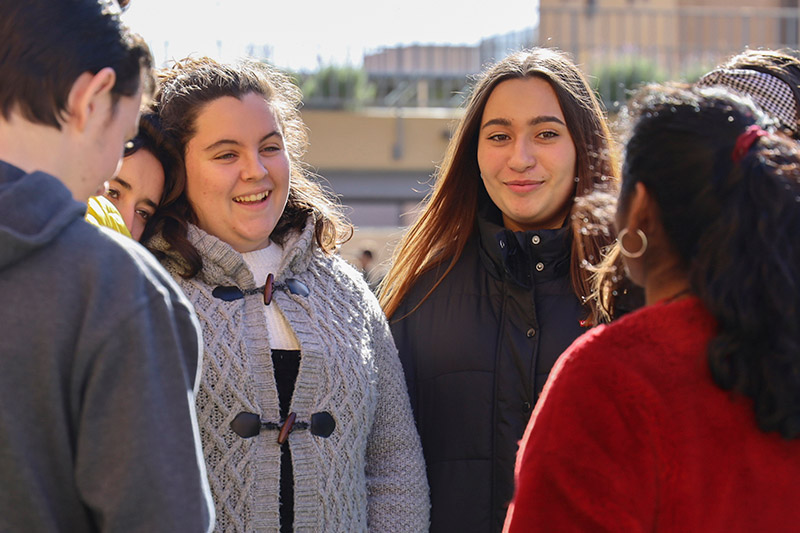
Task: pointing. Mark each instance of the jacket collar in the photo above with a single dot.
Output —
(525, 257)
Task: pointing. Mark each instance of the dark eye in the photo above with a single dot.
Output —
(499, 137)
(113, 194)
(144, 214)
(548, 134)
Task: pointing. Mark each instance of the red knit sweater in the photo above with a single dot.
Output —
(631, 434)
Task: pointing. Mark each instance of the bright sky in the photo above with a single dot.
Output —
(301, 34)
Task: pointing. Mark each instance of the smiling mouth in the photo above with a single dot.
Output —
(249, 199)
(524, 184)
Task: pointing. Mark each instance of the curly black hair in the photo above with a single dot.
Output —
(736, 226)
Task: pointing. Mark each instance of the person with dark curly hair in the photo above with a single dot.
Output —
(770, 77)
(303, 409)
(685, 414)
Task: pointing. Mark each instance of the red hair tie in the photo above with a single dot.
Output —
(745, 141)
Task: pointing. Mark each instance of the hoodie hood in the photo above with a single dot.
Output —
(34, 209)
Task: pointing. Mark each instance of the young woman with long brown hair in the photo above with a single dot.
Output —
(303, 411)
(491, 283)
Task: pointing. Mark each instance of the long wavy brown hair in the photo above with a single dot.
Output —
(183, 91)
(448, 218)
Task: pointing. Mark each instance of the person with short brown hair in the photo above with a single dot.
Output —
(99, 351)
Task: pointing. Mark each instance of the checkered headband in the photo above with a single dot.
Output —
(772, 94)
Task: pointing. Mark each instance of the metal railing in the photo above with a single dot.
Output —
(339, 91)
(665, 43)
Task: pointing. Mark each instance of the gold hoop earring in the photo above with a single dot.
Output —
(637, 253)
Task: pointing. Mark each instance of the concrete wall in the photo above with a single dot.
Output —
(379, 161)
(378, 139)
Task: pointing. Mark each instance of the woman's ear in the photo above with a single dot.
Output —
(90, 98)
(641, 212)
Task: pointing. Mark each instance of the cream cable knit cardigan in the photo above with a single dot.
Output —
(370, 473)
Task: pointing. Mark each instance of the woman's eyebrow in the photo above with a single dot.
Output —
(532, 122)
(222, 142)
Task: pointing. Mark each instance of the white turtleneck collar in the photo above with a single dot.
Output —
(261, 263)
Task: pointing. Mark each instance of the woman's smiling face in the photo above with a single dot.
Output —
(237, 171)
(526, 155)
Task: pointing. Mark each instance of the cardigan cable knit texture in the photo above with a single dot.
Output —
(369, 474)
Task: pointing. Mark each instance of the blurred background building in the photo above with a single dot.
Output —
(622, 42)
(378, 132)
(379, 125)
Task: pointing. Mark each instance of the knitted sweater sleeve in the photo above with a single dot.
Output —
(588, 459)
(397, 485)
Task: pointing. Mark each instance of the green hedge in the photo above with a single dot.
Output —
(615, 81)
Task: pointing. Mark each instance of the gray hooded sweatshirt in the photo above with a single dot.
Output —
(98, 369)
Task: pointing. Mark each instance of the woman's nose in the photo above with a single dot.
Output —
(128, 212)
(522, 157)
(254, 169)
